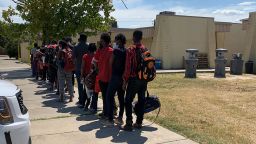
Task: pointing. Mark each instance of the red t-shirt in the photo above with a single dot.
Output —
(102, 57)
(87, 63)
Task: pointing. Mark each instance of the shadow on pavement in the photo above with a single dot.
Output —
(118, 136)
(17, 74)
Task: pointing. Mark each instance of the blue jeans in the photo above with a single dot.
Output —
(115, 85)
(80, 89)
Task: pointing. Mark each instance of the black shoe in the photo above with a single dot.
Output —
(137, 126)
(57, 93)
(127, 128)
(107, 123)
(80, 106)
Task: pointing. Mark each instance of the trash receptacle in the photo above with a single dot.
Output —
(236, 64)
(249, 67)
(220, 63)
(158, 64)
(191, 63)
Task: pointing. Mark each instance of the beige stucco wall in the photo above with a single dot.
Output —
(175, 34)
(233, 41)
(25, 54)
(148, 33)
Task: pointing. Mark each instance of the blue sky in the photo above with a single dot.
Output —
(141, 13)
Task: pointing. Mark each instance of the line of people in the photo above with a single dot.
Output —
(109, 69)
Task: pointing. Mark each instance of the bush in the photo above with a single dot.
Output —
(12, 49)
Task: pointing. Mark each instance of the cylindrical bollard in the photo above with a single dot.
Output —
(220, 63)
(191, 62)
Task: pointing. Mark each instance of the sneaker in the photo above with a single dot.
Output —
(100, 114)
(137, 126)
(86, 109)
(90, 112)
(80, 106)
(126, 128)
(119, 121)
(102, 117)
(107, 123)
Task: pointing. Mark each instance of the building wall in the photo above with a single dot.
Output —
(174, 34)
(233, 41)
(25, 54)
(148, 34)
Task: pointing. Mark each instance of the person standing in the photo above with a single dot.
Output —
(79, 50)
(135, 84)
(101, 61)
(69, 42)
(116, 81)
(65, 70)
(88, 71)
(33, 59)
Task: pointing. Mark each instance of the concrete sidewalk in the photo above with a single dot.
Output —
(183, 71)
(62, 123)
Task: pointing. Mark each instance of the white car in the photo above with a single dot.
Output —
(14, 117)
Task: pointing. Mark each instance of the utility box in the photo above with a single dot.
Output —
(191, 62)
(236, 64)
(220, 63)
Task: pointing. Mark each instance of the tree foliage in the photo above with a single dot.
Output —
(59, 18)
(10, 35)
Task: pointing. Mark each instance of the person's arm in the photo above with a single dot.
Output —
(82, 67)
(74, 56)
(126, 74)
(95, 59)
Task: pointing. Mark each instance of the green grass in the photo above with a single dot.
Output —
(208, 110)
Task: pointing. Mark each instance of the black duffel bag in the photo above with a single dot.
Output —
(151, 103)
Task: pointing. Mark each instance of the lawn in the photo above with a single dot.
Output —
(208, 110)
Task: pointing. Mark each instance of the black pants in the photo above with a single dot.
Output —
(52, 72)
(104, 88)
(135, 86)
(83, 100)
(115, 85)
(87, 103)
(73, 78)
(44, 73)
(94, 101)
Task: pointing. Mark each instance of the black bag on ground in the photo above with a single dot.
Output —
(151, 103)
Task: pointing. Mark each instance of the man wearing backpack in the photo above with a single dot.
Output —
(78, 52)
(65, 70)
(135, 84)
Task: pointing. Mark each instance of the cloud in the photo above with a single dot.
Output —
(144, 15)
(248, 3)
(228, 12)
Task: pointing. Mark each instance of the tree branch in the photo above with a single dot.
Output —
(19, 2)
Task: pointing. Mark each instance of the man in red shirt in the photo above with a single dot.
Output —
(102, 61)
(135, 84)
